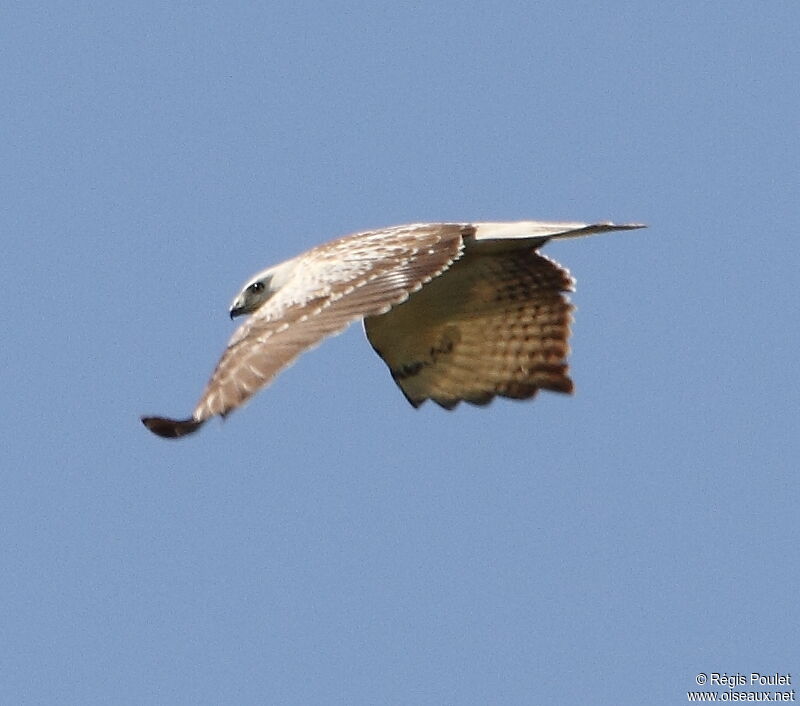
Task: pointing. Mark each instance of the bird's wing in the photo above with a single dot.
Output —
(493, 324)
(493, 237)
(331, 286)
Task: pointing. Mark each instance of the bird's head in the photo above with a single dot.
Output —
(257, 290)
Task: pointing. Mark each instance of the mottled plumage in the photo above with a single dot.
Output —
(457, 311)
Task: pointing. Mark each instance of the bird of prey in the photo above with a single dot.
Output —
(457, 311)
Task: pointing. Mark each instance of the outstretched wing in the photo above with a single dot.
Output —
(330, 286)
(496, 323)
(493, 324)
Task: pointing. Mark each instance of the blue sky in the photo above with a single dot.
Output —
(328, 544)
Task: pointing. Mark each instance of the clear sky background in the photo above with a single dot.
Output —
(328, 544)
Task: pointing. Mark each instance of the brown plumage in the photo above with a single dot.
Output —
(457, 311)
(496, 325)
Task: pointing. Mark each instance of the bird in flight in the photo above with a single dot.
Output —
(457, 311)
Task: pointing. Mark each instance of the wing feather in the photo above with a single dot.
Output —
(534, 234)
(493, 324)
(496, 323)
(330, 287)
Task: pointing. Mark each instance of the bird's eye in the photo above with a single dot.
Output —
(256, 287)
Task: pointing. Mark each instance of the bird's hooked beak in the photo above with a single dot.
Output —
(237, 308)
